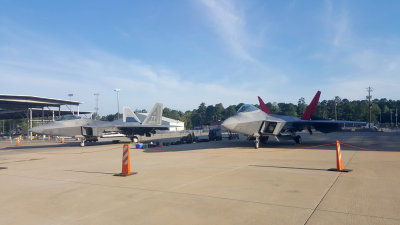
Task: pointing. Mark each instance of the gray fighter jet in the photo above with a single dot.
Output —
(259, 125)
(88, 130)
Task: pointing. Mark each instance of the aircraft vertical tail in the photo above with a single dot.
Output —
(155, 115)
(129, 116)
(263, 106)
(312, 107)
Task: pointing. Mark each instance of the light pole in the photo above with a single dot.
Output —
(70, 97)
(117, 90)
(369, 89)
(97, 105)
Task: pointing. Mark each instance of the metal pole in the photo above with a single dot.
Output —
(335, 110)
(42, 116)
(396, 117)
(30, 122)
(118, 103)
(97, 104)
(117, 90)
(369, 89)
(70, 99)
(391, 112)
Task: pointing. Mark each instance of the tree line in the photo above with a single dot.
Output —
(382, 111)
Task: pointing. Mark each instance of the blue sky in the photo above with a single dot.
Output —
(182, 53)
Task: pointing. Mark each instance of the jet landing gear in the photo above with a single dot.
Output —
(297, 139)
(262, 139)
(87, 139)
(135, 139)
(257, 143)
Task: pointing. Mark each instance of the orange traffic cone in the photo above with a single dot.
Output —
(62, 140)
(339, 163)
(18, 142)
(126, 162)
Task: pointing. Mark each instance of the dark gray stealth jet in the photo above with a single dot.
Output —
(259, 125)
(88, 130)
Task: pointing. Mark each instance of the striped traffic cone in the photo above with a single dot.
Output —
(126, 162)
(339, 162)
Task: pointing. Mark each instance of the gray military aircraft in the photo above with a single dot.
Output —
(259, 125)
(88, 130)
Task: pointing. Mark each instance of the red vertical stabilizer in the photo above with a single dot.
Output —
(263, 106)
(311, 108)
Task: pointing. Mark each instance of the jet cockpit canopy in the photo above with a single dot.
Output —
(247, 108)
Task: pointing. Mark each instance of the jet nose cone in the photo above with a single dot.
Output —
(230, 123)
(36, 130)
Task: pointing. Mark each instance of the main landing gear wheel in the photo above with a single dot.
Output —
(135, 139)
(298, 140)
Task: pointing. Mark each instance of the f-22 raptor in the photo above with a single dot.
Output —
(259, 125)
(88, 130)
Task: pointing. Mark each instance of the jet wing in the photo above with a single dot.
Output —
(324, 126)
(140, 129)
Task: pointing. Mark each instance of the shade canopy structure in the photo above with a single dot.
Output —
(36, 112)
(27, 106)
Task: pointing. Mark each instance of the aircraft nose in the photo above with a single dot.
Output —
(230, 123)
(37, 130)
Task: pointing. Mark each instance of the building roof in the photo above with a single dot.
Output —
(16, 106)
(23, 113)
(28, 101)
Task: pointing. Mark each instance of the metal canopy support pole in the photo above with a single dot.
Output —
(59, 110)
(42, 116)
(78, 109)
(30, 122)
(27, 118)
(53, 115)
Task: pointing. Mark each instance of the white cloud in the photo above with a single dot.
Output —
(230, 24)
(338, 25)
(353, 61)
(55, 71)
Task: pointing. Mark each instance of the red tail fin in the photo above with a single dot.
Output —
(312, 107)
(263, 106)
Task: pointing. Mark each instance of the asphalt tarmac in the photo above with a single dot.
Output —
(225, 182)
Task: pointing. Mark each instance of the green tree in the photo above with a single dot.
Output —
(288, 109)
(229, 111)
(210, 114)
(301, 106)
(219, 110)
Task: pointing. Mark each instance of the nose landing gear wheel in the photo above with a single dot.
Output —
(257, 143)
